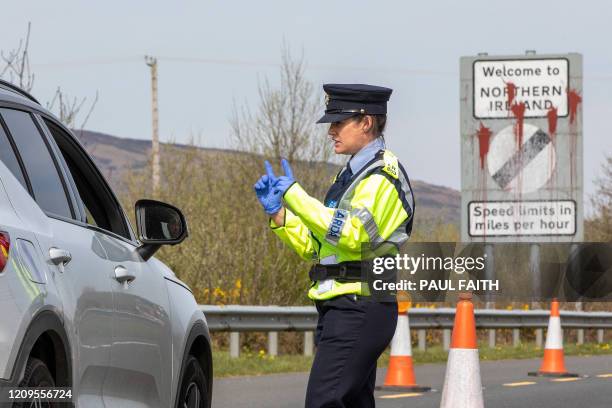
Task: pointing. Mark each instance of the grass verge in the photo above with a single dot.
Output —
(262, 364)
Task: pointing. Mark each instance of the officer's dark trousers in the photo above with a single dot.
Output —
(351, 334)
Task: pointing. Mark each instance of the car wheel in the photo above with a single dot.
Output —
(36, 374)
(193, 392)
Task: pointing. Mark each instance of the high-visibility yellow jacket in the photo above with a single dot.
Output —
(376, 207)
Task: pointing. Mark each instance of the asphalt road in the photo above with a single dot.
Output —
(505, 383)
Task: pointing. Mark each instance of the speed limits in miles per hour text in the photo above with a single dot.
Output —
(517, 218)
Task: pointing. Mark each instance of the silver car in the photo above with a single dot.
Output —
(84, 305)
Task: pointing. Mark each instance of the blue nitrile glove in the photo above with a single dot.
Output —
(270, 201)
(281, 184)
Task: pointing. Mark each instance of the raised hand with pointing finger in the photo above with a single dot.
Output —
(270, 188)
(265, 192)
(281, 184)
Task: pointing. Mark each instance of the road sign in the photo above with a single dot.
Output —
(521, 148)
(538, 83)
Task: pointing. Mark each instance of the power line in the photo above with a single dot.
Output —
(97, 61)
(402, 70)
(270, 64)
(238, 62)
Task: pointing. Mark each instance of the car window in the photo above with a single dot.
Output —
(7, 156)
(101, 208)
(47, 187)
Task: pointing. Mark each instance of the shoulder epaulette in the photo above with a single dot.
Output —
(391, 164)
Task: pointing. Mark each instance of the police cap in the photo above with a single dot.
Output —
(343, 101)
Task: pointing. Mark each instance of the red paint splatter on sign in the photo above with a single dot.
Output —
(484, 135)
(574, 100)
(518, 109)
(552, 122)
(551, 115)
(510, 92)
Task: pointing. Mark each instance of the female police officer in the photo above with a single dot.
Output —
(369, 203)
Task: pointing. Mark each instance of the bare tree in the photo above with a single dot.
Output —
(284, 123)
(599, 226)
(68, 109)
(16, 62)
(16, 69)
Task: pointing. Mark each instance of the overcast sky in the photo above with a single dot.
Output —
(412, 47)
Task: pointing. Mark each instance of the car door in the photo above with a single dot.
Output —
(141, 356)
(140, 368)
(77, 263)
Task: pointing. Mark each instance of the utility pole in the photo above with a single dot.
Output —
(152, 63)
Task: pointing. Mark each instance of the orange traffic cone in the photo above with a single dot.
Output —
(553, 364)
(462, 384)
(400, 373)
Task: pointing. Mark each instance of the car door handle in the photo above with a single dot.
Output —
(59, 257)
(123, 275)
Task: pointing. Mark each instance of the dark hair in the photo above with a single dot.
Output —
(378, 123)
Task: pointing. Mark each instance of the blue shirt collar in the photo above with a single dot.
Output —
(367, 153)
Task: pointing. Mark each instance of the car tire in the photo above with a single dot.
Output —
(36, 374)
(193, 392)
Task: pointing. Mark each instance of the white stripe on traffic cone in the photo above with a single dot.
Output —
(462, 383)
(400, 373)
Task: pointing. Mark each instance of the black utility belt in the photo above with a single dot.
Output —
(345, 272)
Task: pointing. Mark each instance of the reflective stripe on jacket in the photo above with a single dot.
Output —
(377, 206)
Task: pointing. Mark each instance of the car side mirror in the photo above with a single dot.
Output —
(158, 224)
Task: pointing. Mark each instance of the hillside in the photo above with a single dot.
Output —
(115, 155)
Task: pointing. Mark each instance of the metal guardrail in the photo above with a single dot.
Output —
(273, 319)
(260, 318)
(304, 318)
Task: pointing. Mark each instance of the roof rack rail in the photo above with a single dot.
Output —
(15, 88)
